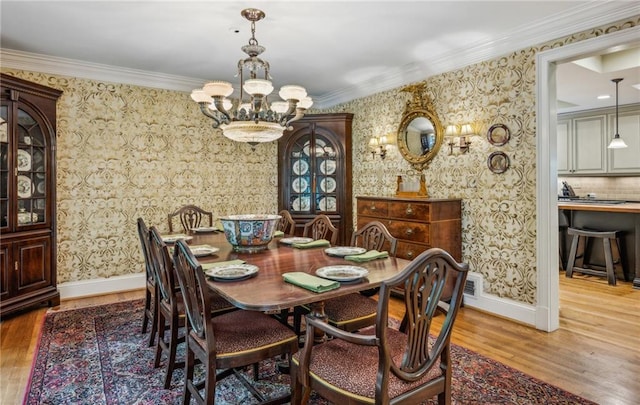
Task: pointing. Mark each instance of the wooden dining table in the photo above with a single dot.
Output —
(268, 292)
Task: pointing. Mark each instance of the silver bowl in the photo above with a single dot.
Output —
(249, 233)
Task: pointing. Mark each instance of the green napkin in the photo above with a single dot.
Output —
(312, 283)
(278, 233)
(208, 266)
(370, 255)
(312, 244)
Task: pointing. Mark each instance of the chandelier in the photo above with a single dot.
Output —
(251, 118)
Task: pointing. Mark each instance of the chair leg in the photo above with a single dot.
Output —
(171, 360)
(572, 256)
(188, 375)
(210, 382)
(147, 310)
(161, 333)
(154, 321)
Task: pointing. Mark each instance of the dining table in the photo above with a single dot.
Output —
(267, 291)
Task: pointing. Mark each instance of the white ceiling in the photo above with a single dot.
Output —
(338, 50)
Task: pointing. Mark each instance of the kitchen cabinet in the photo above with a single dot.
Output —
(27, 195)
(583, 138)
(314, 171)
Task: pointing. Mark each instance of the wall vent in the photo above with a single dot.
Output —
(473, 285)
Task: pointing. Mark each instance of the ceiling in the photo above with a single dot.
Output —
(338, 50)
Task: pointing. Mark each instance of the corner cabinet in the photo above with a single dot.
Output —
(27, 195)
(314, 171)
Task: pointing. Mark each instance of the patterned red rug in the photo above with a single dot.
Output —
(97, 355)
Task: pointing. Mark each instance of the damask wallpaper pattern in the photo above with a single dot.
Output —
(127, 151)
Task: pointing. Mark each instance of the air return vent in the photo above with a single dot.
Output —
(473, 285)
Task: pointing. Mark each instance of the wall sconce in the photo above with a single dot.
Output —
(463, 141)
(378, 145)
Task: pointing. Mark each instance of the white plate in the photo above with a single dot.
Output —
(295, 239)
(204, 229)
(299, 185)
(175, 238)
(328, 184)
(328, 204)
(40, 187)
(232, 272)
(320, 144)
(342, 251)
(203, 250)
(301, 204)
(328, 166)
(300, 167)
(24, 160)
(342, 272)
(25, 187)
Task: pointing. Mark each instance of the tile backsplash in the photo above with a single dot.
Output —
(612, 188)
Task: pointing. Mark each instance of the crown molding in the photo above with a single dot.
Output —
(75, 68)
(570, 22)
(573, 21)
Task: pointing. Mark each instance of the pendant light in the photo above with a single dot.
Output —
(617, 142)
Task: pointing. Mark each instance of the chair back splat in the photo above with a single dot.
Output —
(320, 227)
(151, 291)
(384, 365)
(191, 216)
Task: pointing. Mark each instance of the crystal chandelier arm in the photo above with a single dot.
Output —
(204, 108)
(299, 114)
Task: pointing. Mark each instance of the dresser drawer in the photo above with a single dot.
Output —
(413, 231)
(410, 251)
(410, 210)
(373, 208)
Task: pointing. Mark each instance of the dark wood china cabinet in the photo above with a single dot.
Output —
(314, 171)
(27, 195)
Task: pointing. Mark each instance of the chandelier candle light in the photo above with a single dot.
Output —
(254, 119)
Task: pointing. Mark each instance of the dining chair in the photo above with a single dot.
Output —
(171, 312)
(380, 364)
(151, 291)
(320, 227)
(354, 311)
(191, 216)
(286, 223)
(228, 341)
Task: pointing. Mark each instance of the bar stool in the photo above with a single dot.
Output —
(581, 250)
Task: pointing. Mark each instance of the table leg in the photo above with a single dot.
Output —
(317, 311)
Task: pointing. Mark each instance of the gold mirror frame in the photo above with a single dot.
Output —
(418, 107)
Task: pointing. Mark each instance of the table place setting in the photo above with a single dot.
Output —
(310, 282)
(203, 250)
(367, 256)
(173, 238)
(207, 229)
(312, 244)
(342, 251)
(295, 239)
(342, 273)
(232, 270)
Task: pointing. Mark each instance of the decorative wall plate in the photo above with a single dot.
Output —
(498, 162)
(328, 184)
(328, 166)
(300, 184)
(328, 204)
(24, 160)
(300, 167)
(301, 204)
(498, 134)
(25, 187)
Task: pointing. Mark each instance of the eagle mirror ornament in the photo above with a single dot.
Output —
(420, 133)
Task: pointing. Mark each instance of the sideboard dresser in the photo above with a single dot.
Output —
(417, 223)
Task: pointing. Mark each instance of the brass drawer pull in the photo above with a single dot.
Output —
(410, 254)
(373, 207)
(409, 210)
(409, 232)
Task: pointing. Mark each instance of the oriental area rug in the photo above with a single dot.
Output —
(97, 355)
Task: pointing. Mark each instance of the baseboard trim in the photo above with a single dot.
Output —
(504, 307)
(101, 286)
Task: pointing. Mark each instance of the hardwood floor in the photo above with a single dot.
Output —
(595, 353)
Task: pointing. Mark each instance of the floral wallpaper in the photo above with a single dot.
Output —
(125, 151)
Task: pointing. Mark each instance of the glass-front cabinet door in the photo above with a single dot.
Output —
(312, 176)
(23, 170)
(314, 166)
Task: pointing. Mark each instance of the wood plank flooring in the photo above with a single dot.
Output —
(595, 353)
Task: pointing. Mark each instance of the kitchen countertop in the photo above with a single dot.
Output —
(630, 207)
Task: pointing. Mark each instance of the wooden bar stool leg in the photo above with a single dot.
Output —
(572, 256)
(608, 259)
